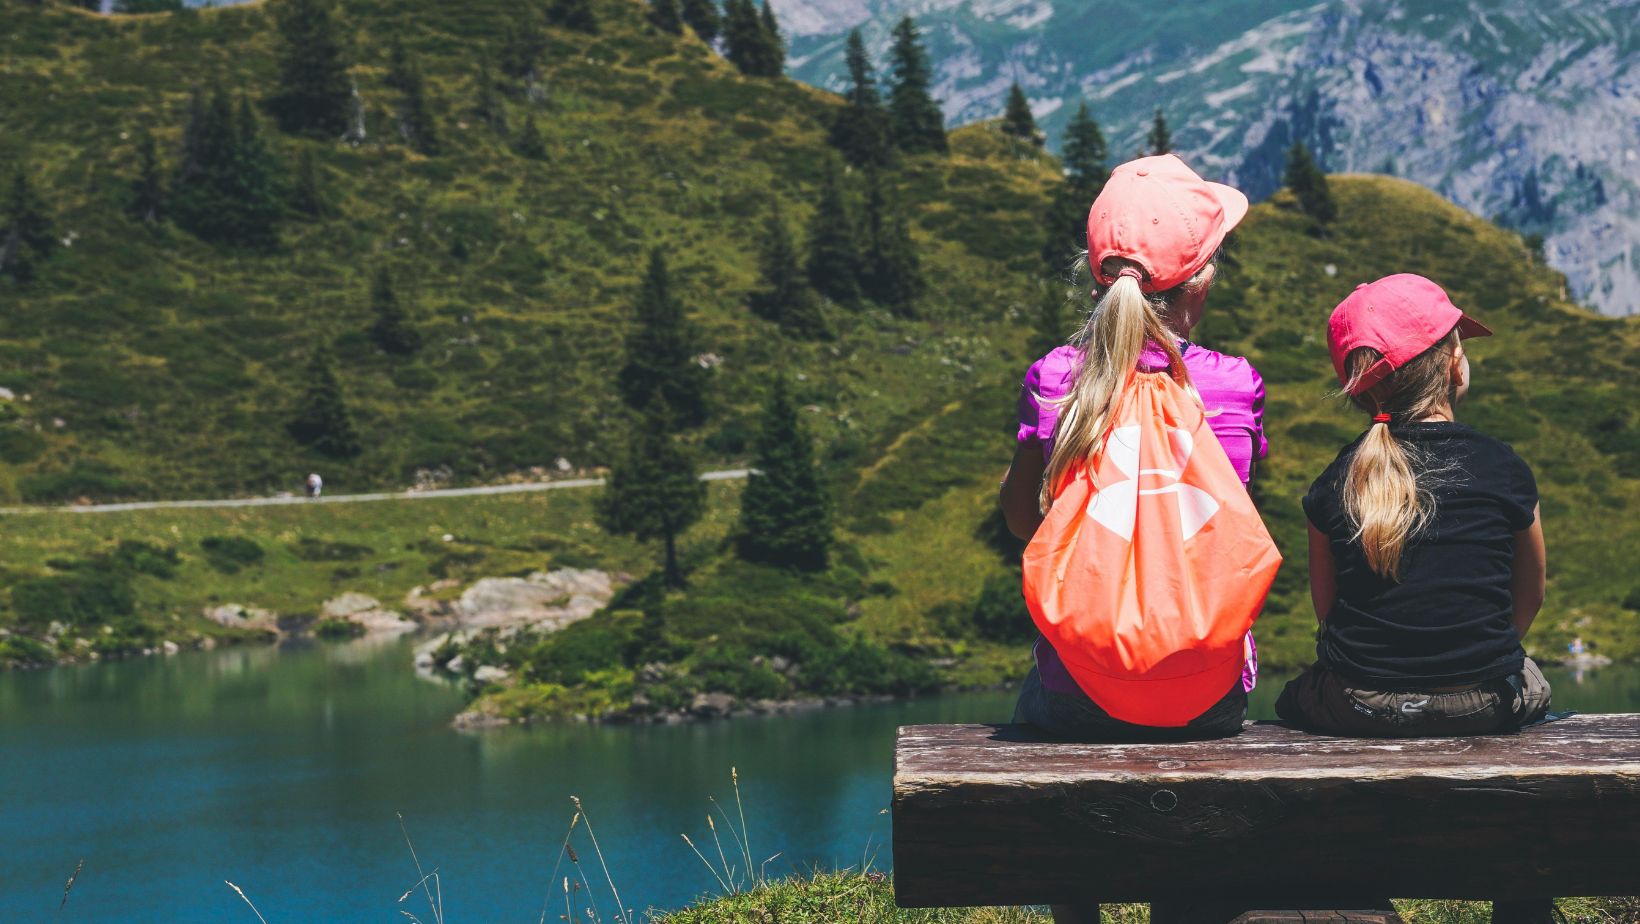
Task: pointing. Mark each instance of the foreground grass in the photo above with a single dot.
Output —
(835, 898)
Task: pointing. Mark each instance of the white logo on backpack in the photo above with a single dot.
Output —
(1116, 506)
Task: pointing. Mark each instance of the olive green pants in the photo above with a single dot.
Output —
(1323, 701)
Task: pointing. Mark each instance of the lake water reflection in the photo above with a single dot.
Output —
(282, 770)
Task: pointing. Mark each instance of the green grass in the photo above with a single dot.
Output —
(834, 898)
(311, 553)
(173, 364)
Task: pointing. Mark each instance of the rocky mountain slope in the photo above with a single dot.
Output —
(1525, 112)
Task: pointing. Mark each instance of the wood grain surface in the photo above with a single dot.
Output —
(988, 815)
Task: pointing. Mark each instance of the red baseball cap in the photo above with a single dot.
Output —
(1158, 213)
(1400, 316)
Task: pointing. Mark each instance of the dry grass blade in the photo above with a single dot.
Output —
(728, 823)
(419, 882)
(410, 916)
(762, 870)
(728, 872)
(69, 885)
(745, 835)
(562, 848)
(247, 900)
(620, 909)
(437, 917)
(708, 865)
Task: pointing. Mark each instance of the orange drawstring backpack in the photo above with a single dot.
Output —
(1152, 564)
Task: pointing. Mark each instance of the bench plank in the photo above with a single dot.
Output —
(987, 815)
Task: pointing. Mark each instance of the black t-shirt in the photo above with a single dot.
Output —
(1448, 620)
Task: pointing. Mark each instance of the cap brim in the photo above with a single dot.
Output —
(1234, 203)
(1469, 327)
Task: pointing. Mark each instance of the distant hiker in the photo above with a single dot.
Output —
(1132, 429)
(1426, 549)
(315, 484)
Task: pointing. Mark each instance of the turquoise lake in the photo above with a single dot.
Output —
(282, 770)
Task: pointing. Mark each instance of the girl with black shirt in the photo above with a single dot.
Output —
(1426, 550)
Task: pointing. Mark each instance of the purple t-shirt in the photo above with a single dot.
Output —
(1232, 392)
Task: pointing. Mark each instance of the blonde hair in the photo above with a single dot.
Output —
(1386, 493)
(1123, 321)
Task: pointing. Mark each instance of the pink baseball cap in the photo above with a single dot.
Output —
(1400, 316)
(1158, 213)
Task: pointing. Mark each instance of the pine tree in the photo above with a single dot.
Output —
(702, 16)
(226, 187)
(522, 48)
(1017, 121)
(660, 352)
(257, 192)
(148, 187)
(834, 245)
(1309, 185)
(1159, 139)
(314, 95)
(654, 489)
(746, 39)
(785, 513)
(783, 295)
(664, 15)
(891, 274)
(416, 124)
(307, 196)
(860, 130)
(774, 44)
(529, 142)
(26, 234)
(398, 65)
(573, 14)
(915, 119)
(1085, 175)
(1085, 153)
(322, 420)
(487, 105)
(392, 330)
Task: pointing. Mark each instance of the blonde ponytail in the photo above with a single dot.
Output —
(1384, 501)
(1386, 493)
(1123, 323)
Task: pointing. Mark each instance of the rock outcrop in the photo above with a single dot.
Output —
(366, 612)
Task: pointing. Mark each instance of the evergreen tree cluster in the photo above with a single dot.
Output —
(227, 187)
(783, 294)
(666, 16)
(26, 235)
(323, 421)
(702, 16)
(415, 118)
(392, 330)
(1309, 184)
(573, 14)
(752, 39)
(867, 131)
(315, 94)
(654, 491)
(853, 256)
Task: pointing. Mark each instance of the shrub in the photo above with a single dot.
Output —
(228, 554)
(330, 628)
(80, 599)
(999, 613)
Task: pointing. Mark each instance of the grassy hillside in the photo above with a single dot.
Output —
(173, 364)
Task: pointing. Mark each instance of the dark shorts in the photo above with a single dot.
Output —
(1075, 717)
(1323, 701)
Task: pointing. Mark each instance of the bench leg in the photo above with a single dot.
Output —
(1527, 911)
(1075, 914)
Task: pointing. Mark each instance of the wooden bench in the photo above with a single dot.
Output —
(1273, 818)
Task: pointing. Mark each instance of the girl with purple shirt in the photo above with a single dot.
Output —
(1153, 238)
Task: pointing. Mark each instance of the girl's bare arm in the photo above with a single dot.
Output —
(1531, 574)
(1020, 490)
(1323, 574)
